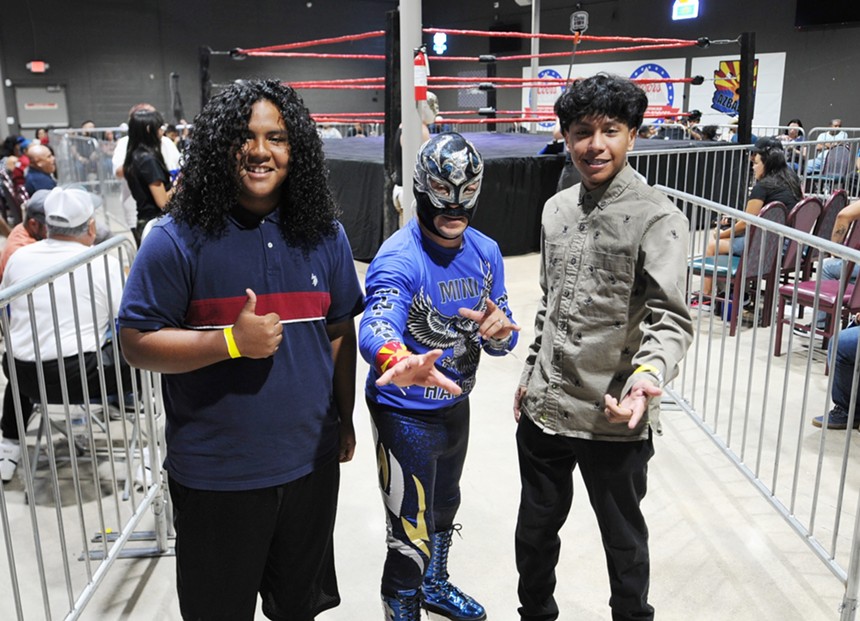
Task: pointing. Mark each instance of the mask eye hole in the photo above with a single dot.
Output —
(438, 188)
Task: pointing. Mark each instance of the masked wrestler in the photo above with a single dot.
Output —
(435, 299)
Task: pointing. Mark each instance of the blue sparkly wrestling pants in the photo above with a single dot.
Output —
(419, 456)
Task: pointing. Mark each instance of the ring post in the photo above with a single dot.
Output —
(390, 217)
(534, 62)
(747, 92)
(410, 39)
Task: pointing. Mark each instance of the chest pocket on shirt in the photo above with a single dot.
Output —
(554, 266)
(605, 285)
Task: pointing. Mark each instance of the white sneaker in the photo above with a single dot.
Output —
(10, 455)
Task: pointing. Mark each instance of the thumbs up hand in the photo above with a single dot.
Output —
(257, 336)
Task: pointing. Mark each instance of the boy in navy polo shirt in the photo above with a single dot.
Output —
(243, 297)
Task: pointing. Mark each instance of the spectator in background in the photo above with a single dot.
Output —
(13, 158)
(793, 153)
(732, 133)
(85, 152)
(107, 146)
(672, 129)
(356, 130)
(853, 182)
(40, 173)
(329, 131)
(794, 133)
(144, 168)
(168, 150)
(842, 363)
(184, 139)
(29, 231)
(42, 135)
(709, 133)
(169, 153)
(775, 181)
(645, 132)
(690, 122)
(834, 134)
(71, 229)
(831, 268)
(171, 132)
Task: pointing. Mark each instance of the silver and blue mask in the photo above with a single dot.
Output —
(447, 179)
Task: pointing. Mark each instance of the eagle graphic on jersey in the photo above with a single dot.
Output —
(438, 331)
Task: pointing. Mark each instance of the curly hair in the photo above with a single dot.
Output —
(602, 95)
(209, 184)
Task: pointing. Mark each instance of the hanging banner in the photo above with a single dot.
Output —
(717, 98)
(663, 98)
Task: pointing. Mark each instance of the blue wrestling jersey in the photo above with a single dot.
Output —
(414, 291)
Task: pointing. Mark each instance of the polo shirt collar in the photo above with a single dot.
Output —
(247, 220)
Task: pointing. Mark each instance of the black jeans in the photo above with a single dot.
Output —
(615, 475)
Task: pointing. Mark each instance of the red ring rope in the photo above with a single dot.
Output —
(380, 80)
(318, 55)
(526, 35)
(351, 114)
(545, 81)
(560, 54)
(300, 44)
(486, 121)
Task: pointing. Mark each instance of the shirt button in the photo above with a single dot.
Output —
(270, 245)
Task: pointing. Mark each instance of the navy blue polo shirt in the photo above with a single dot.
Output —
(246, 424)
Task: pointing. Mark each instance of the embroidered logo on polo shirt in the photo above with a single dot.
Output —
(314, 280)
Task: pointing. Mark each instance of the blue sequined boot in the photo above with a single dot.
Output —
(438, 594)
(405, 606)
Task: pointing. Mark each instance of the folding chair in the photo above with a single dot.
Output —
(757, 263)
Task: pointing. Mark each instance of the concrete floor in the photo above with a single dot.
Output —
(719, 551)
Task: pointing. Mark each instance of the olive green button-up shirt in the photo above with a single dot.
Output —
(613, 276)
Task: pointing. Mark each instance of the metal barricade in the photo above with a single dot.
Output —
(715, 171)
(90, 476)
(85, 159)
(757, 407)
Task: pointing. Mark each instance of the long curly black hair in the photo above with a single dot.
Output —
(209, 184)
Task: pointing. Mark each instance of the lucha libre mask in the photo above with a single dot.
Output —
(447, 179)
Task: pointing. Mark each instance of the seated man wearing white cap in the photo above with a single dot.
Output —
(71, 227)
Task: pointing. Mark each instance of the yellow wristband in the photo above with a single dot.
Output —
(647, 368)
(231, 343)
